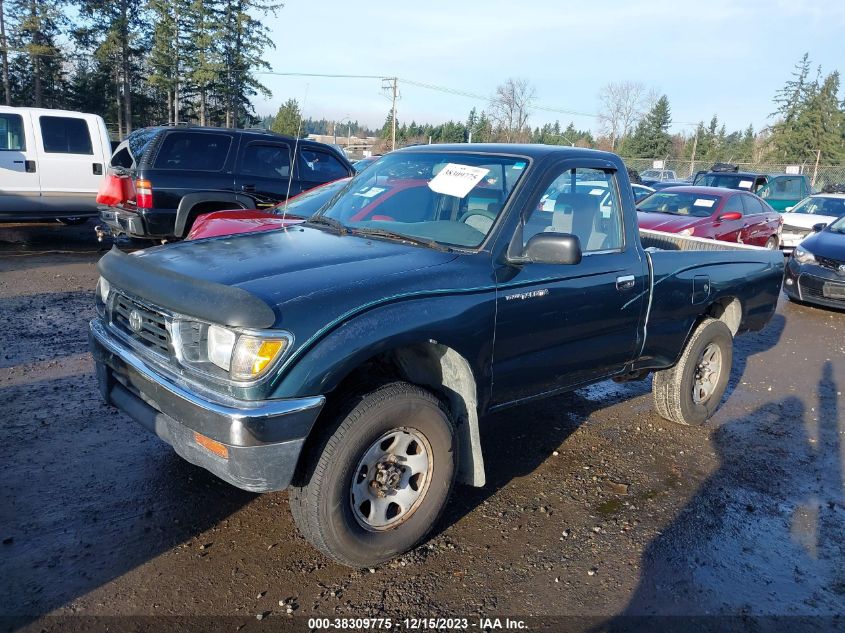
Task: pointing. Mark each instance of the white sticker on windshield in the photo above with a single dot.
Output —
(457, 180)
(745, 184)
(370, 192)
(597, 192)
(703, 202)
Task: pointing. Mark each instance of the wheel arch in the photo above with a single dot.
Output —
(194, 204)
(440, 368)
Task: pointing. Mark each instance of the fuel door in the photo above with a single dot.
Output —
(700, 288)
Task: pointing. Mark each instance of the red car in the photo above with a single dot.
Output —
(714, 213)
(392, 200)
(251, 220)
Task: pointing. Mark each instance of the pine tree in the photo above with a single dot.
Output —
(37, 77)
(651, 137)
(117, 24)
(203, 62)
(243, 39)
(288, 119)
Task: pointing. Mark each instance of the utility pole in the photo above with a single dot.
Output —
(816, 168)
(392, 84)
(692, 161)
(8, 96)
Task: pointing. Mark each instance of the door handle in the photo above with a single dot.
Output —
(247, 187)
(626, 282)
(18, 162)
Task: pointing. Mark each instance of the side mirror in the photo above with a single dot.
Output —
(551, 248)
(730, 215)
(819, 227)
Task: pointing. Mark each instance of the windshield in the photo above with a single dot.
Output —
(308, 203)
(451, 199)
(837, 226)
(820, 206)
(729, 181)
(679, 203)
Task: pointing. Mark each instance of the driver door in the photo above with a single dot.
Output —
(562, 325)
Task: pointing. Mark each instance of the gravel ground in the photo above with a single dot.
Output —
(594, 505)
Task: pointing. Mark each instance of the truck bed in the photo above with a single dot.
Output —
(689, 274)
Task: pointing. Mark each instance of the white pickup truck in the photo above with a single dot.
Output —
(51, 164)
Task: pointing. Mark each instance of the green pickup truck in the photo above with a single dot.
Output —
(781, 191)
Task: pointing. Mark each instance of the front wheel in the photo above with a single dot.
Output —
(376, 481)
(690, 392)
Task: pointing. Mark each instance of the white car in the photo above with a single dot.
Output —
(798, 221)
(51, 164)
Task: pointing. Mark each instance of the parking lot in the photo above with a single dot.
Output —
(594, 505)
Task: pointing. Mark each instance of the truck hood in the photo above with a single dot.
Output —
(303, 273)
(667, 222)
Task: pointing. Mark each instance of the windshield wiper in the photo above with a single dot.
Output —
(325, 220)
(400, 237)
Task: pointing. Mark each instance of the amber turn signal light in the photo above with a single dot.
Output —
(212, 446)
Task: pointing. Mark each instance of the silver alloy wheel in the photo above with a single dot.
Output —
(708, 370)
(772, 243)
(391, 479)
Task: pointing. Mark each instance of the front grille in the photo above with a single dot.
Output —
(827, 262)
(152, 332)
(813, 288)
(798, 230)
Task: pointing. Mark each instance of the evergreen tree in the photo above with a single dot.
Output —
(36, 78)
(288, 119)
(243, 39)
(651, 137)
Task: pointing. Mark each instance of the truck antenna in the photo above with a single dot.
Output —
(295, 155)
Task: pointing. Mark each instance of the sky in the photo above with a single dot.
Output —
(723, 57)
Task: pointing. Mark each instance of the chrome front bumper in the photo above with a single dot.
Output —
(262, 439)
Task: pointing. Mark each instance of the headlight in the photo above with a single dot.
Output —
(220, 344)
(101, 298)
(688, 231)
(241, 355)
(803, 256)
(104, 288)
(253, 355)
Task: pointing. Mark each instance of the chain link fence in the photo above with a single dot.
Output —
(824, 175)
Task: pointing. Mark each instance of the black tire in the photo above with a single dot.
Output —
(772, 243)
(673, 389)
(321, 498)
(72, 221)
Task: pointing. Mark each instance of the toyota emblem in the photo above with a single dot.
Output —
(135, 321)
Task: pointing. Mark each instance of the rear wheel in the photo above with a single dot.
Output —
(72, 221)
(691, 391)
(772, 243)
(376, 481)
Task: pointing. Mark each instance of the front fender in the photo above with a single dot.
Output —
(463, 322)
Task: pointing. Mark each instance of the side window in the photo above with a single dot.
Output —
(734, 203)
(752, 205)
(11, 133)
(788, 187)
(583, 202)
(317, 166)
(266, 161)
(122, 158)
(195, 151)
(65, 135)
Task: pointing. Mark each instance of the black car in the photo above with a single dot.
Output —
(815, 272)
(162, 178)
